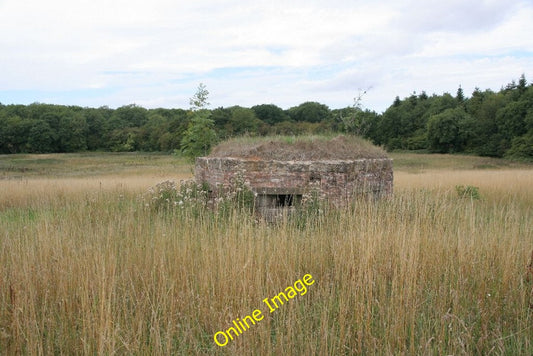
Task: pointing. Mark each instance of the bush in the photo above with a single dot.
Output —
(468, 192)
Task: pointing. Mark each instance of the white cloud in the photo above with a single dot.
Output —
(155, 53)
(451, 15)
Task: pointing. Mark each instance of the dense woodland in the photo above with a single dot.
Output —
(487, 123)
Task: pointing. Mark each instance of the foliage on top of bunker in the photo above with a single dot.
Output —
(300, 148)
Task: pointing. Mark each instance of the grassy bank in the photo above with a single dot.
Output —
(91, 269)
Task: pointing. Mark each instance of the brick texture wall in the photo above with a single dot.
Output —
(337, 180)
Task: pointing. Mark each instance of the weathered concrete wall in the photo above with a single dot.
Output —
(337, 180)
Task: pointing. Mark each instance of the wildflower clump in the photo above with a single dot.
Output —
(189, 195)
(238, 195)
(169, 195)
(313, 205)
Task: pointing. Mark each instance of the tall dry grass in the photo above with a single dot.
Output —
(41, 192)
(93, 271)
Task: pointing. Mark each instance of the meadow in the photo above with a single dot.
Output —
(88, 266)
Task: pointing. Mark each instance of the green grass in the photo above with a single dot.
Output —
(417, 162)
(87, 164)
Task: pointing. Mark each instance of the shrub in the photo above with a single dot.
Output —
(468, 192)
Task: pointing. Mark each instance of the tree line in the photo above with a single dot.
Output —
(495, 124)
(488, 123)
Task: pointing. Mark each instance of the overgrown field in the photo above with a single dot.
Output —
(88, 266)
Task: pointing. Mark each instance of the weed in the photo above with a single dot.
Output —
(468, 191)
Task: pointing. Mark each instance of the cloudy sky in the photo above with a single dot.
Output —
(155, 53)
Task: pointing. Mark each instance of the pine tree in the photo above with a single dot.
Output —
(460, 95)
(522, 84)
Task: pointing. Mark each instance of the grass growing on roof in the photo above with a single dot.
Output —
(303, 148)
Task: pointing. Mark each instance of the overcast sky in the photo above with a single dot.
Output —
(155, 53)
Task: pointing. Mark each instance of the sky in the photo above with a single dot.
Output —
(155, 53)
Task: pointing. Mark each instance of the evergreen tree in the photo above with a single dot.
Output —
(522, 84)
(460, 97)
